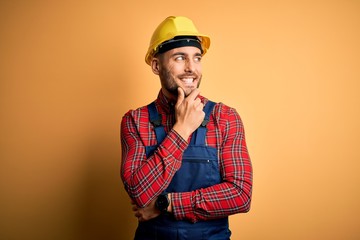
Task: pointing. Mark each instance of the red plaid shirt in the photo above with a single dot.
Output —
(146, 178)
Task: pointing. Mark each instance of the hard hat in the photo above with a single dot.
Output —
(171, 27)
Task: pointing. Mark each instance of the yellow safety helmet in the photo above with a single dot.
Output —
(171, 27)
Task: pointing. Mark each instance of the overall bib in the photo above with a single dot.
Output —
(199, 169)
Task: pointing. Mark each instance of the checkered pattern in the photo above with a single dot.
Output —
(146, 178)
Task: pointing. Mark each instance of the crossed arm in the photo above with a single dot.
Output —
(146, 178)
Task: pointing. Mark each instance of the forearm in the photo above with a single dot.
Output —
(145, 178)
(233, 194)
(215, 202)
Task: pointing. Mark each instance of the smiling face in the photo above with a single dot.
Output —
(178, 67)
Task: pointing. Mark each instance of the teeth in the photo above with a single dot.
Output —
(188, 80)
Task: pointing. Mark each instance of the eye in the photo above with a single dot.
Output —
(197, 59)
(179, 58)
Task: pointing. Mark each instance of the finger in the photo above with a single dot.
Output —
(194, 94)
(197, 102)
(181, 96)
(200, 107)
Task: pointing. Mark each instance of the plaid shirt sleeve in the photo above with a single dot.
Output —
(231, 196)
(146, 178)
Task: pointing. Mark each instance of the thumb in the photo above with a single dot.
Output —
(181, 96)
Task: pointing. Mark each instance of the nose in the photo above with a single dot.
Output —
(189, 65)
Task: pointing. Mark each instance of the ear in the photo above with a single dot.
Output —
(155, 65)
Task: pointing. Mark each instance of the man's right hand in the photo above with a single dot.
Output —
(189, 113)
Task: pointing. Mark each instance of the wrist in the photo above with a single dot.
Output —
(169, 208)
(162, 202)
(181, 131)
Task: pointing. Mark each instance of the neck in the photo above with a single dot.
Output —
(170, 97)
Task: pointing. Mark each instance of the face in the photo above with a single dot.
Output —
(179, 67)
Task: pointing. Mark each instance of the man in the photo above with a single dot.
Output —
(185, 163)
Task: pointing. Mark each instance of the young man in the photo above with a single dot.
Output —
(185, 163)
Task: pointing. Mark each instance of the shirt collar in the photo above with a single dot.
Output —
(167, 105)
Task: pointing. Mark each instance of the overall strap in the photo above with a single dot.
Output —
(155, 119)
(199, 135)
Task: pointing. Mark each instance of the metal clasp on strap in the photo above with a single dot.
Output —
(156, 122)
(204, 123)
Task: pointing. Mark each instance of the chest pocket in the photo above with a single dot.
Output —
(200, 167)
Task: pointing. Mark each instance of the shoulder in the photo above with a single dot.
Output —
(136, 114)
(222, 111)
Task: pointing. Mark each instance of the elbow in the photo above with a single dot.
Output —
(245, 205)
(248, 197)
(244, 199)
(135, 194)
(135, 198)
(131, 191)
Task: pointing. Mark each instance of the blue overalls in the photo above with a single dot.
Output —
(199, 169)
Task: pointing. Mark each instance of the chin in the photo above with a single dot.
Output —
(188, 90)
(187, 93)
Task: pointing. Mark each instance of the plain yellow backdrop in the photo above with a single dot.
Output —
(69, 70)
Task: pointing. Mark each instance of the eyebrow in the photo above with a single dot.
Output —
(183, 54)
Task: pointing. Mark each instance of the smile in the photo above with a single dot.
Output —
(188, 80)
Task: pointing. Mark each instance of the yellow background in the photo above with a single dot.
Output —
(69, 70)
